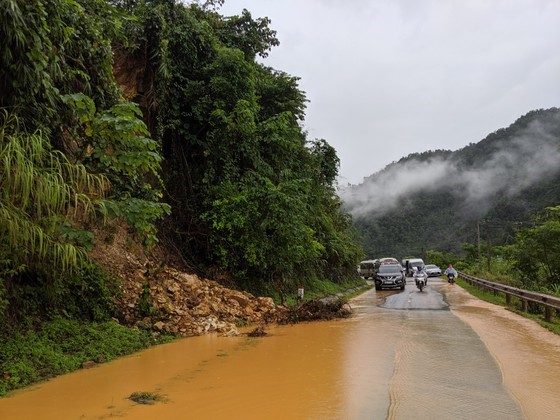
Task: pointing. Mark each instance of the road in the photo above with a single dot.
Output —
(439, 354)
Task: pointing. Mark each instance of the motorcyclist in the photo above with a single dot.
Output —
(419, 271)
(450, 271)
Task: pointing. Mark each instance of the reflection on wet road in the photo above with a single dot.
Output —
(402, 355)
(413, 298)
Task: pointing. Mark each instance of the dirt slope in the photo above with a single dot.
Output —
(161, 297)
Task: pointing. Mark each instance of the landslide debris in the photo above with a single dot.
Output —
(317, 309)
(157, 296)
(185, 304)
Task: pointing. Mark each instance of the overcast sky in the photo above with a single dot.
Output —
(386, 78)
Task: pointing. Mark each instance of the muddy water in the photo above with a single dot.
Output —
(381, 363)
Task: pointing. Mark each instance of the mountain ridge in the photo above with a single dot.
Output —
(439, 199)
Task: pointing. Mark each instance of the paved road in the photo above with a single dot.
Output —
(441, 368)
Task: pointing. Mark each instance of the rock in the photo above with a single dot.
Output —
(88, 364)
(173, 288)
(240, 298)
(201, 310)
(185, 304)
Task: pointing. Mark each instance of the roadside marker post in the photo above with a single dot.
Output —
(300, 292)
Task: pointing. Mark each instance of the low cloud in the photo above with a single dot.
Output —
(533, 154)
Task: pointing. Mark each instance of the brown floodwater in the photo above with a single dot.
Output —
(470, 362)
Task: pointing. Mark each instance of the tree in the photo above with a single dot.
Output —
(536, 251)
(251, 195)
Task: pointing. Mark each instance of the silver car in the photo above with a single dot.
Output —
(432, 270)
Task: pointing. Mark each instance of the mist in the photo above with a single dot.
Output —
(524, 159)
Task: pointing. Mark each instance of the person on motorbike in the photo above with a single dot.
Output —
(450, 271)
(420, 272)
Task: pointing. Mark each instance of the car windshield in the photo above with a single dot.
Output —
(389, 268)
(431, 266)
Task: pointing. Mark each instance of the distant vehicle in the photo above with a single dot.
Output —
(389, 274)
(410, 263)
(432, 270)
(387, 260)
(367, 269)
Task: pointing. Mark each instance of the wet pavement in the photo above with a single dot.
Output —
(438, 354)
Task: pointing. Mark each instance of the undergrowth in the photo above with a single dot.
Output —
(62, 346)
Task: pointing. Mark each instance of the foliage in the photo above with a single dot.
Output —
(51, 48)
(66, 158)
(251, 195)
(62, 345)
(441, 259)
(42, 192)
(145, 397)
(535, 254)
(252, 36)
(116, 142)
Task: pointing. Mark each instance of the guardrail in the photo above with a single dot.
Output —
(549, 302)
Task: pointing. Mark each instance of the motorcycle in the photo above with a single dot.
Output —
(451, 278)
(421, 280)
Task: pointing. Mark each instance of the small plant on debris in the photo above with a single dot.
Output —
(146, 397)
(257, 332)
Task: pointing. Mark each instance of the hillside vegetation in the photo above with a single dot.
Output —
(193, 144)
(440, 200)
(490, 208)
(143, 151)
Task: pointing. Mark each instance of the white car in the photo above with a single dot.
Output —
(432, 270)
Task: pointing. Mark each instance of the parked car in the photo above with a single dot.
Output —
(389, 275)
(433, 270)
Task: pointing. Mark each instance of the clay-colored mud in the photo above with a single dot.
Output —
(381, 363)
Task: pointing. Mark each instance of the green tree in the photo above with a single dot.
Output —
(536, 251)
(251, 195)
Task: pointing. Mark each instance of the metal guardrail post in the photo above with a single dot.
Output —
(548, 313)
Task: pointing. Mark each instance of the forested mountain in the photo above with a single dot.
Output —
(155, 115)
(439, 200)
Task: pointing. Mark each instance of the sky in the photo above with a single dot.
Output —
(386, 78)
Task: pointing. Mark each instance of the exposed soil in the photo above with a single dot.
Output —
(155, 295)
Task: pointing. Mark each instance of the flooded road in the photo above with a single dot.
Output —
(434, 355)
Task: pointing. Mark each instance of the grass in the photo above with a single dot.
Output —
(498, 299)
(146, 397)
(62, 346)
(515, 306)
(318, 289)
